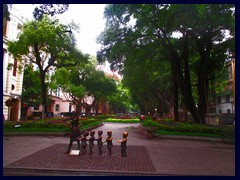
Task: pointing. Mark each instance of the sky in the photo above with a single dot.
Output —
(88, 16)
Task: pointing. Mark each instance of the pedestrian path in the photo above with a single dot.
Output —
(164, 156)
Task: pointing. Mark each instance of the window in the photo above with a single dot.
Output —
(57, 93)
(36, 107)
(19, 29)
(220, 111)
(57, 107)
(227, 98)
(15, 67)
(228, 110)
(219, 100)
(229, 72)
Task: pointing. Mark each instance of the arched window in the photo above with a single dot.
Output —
(57, 107)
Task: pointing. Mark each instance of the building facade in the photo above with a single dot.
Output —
(225, 100)
(12, 78)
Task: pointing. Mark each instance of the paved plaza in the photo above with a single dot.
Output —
(42, 155)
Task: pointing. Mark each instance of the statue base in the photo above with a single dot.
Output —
(74, 152)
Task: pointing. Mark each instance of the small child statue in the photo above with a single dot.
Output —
(99, 142)
(91, 141)
(84, 142)
(123, 142)
(109, 142)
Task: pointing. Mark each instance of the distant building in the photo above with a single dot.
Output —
(60, 102)
(225, 100)
(12, 79)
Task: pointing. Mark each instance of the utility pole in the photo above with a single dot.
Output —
(233, 76)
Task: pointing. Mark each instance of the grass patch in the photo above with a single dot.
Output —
(121, 120)
(82, 127)
(149, 123)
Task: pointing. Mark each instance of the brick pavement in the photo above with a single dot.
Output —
(52, 157)
(168, 156)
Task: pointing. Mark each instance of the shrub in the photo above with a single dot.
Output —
(8, 124)
(85, 122)
(229, 133)
(93, 123)
(190, 127)
(149, 123)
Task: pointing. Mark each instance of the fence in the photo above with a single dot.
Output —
(225, 121)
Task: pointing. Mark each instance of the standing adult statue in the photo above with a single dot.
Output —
(74, 131)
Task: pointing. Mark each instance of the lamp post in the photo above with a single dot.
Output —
(233, 76)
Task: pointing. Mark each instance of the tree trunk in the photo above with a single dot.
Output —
(96, 108)
(203, 84)
(187, 88)
(88, 109)
(175, 73)
(42, 77)
(175, 101)
(78, 108)
(184, 81)
(44, 93)
(202, 93)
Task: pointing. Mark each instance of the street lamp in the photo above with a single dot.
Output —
(233, 76)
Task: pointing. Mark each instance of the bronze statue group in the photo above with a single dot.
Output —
(75, 136)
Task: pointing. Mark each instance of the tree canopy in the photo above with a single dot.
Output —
(83, 80)
(31, 91)
(49, 9)
(46, 44)
(194, 56)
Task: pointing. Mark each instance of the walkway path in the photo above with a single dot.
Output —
(168, 156)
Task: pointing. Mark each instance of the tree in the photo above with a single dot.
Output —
(100, 87)
(83, 80)
(46, 44)
(139, 26)
(121, 101)
(49, 9)
(31, 91)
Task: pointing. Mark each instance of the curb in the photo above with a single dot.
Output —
(19, 171)
(190, 138)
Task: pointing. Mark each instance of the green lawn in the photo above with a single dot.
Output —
(121, 120)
